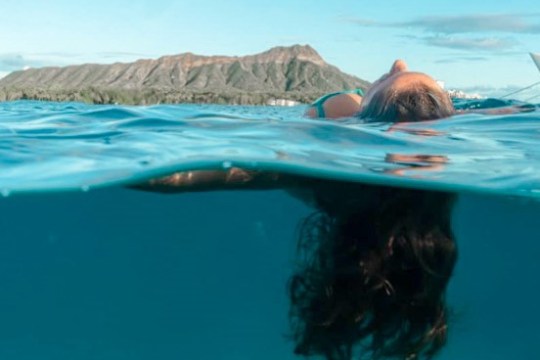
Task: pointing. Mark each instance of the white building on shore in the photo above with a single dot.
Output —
(282, 102)
(458, 94)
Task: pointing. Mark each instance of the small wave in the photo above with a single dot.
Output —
(70, 145)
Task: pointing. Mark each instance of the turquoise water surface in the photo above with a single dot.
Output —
(55, 146)
(90, 269)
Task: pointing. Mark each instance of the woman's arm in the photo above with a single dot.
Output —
(207, 180)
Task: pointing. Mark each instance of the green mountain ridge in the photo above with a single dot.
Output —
(294, 73)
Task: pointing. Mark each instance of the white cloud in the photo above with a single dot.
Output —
(17, 61)
(476, 23)
(461, 43)
(442, 30)
(505, 23)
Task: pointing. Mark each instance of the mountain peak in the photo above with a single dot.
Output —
(278, 55)
(287, 53)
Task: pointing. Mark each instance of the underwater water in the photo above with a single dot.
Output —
(90, 269)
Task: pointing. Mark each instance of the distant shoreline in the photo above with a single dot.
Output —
(152, 96)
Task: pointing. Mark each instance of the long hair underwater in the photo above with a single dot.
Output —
(372, 274)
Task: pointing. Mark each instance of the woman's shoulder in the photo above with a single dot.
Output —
(336, 105)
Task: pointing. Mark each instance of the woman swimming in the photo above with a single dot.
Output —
(398, 96)
(375, 261)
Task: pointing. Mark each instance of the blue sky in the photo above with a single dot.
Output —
(468, 44)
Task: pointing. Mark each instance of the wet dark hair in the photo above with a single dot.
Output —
(372, 277)
(417, 103)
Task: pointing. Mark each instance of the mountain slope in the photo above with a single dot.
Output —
(281, 70)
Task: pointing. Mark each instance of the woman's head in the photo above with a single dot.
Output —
(374, 278)
(404, 96)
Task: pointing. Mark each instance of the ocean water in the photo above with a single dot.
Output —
(91, 269)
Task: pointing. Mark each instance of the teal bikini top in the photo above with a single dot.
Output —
(318, 104)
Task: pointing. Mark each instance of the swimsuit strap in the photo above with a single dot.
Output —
(318, 104)
(359, 92)
(319, 108)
